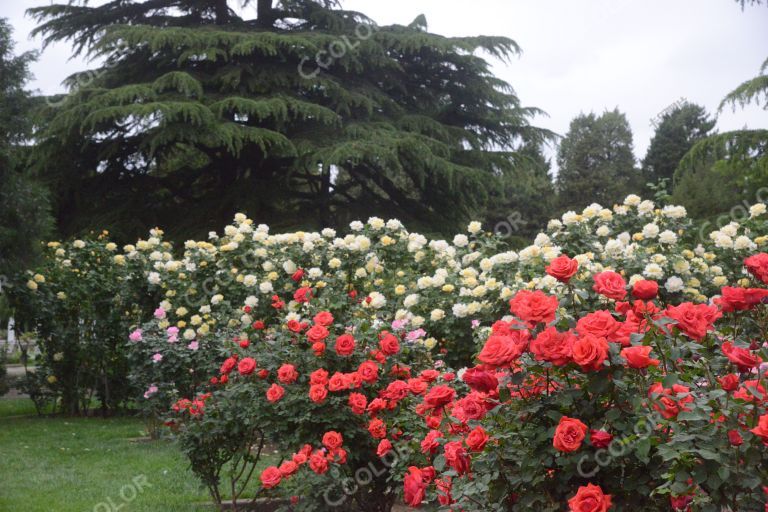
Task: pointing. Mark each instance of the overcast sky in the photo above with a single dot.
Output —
(578, 55)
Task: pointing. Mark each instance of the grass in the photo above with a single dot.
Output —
(67, 464)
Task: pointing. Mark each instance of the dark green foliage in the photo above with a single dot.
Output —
(198, 113)
(675, 135)
(24, 210)
(596, 162)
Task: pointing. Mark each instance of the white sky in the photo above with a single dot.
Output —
(578, 55)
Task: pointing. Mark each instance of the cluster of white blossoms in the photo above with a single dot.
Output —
(421, 281)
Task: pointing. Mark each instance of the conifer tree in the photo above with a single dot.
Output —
(302, 115)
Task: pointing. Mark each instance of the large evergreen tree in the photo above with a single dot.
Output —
(306, 114)
(24, 212)
(595, 161)
(675, 135)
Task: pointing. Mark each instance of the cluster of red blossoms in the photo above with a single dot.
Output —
(318, 460)
(194, 407)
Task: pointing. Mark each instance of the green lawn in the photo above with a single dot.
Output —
(88, 464)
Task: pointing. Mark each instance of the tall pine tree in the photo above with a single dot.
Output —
(595, 161)
(306, 114)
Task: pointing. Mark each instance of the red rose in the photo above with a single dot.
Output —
(758, 266)
(638, 357)
(317, 393)
(761, 430)
(600, 438)
(480, 380)
(500, 351)
(318, 348)
(270, 477)
(429, 444)
(317, 333)
(332, 440)
(396, 391)
(414, 487)
(645, 290)
(610, 284)
(287, 374)
(589, 498)
(456, 457)
(729, 382)
(228, 365)
(741, 357)
(275, 393)
(318, 462)
(735, 438)
(358, 403)
(246, 366)
(562, 268)
(417, 386)
(429, 375)
(258, 325)
(693, 320)
(681, 502)
(590, 352)
(439, 396)
(670, 402)
(298, 275)
(534, 306)
(385, 446)
(569, 434)
(389, 344)
(318, 376)
(303, 294)
(377, 428)
(295, 326)
(338, 382)
(476, 439)
(553, 346)
(323, 318)
(600, 324)
(288, 468)
(345, 345)
(369, 371)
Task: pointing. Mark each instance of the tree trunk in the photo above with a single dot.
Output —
(266, 14)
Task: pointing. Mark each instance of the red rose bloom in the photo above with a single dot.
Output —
(270, 477)
(562, 268)
(439, 396)
(589, 498)
(303, 294)
(369, 371)
(735, 438)
(590, 352)
(645, 290)
(275, 393)
(318, 462)
(338, 382)
(319, 376)
(693, 320)
(638, 357)
(740, 299)
(318, 348)
(358, 403)
(288, 468)
(317, 333)
(345, 345)
(480, 380)
(298, 275)
(761, 430)
(287, 374)
(385, 446)
(600, 324)
(501, 351)
(246, 366)
(377, 428)
(456, 457)
(533, 306)
(758, 266)
(476, 439)
(414, 487)
(741, 357)
(729, 382)
(569, 434)
(389, 344)
(323, 318)
(610, 284)
(600, 438)
(317, 393)
(332, 440)
(228, 365)
(553, 346)
(670, 402)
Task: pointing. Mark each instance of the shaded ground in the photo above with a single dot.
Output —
(89, 464)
